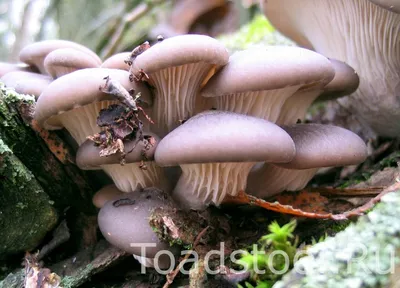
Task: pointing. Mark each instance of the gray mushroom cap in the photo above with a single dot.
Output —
(344, 83)
(391, 5)
(66, 60)
(10, 67)
(105, 194)
(125, 221)
(219, 136)
(117, 61)
(88, 155)
(269, 68)
(320, 145)
(34, 54)
(180, 50)
(78, 89)
(27, 82)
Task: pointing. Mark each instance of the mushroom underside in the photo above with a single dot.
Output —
(131, 176)
(177, 94)
(262, 104)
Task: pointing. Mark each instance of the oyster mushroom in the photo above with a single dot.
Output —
(66, 60)
(317, 146)
(74, 101)
(117, 61)
(139, 171)
(177, 67)
(359, 33)
(258, 81)
(344, 83)
(124, 222)
(34, 54)
(26, 82)
(216, 150)
(11, 67)
(105, 194)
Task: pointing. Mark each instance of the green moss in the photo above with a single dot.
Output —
(360, 256)
(258, 31)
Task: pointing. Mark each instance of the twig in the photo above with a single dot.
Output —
(171, 276)
(134, 15)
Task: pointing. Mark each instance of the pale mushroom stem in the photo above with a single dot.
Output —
(176, 98)
(296, 106)
(368, 39)
(203, 184)
(262, 104)
(82, 121)
(130, 177)
(269, 180)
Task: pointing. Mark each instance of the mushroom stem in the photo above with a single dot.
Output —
(262, 104)
(177, 91)
(203, 184)
(82, 122)
(296, 106)
(130, 177)
(279, 180)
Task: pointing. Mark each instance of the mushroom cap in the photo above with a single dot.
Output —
(117, 61)
(57, 61)
(391, 5)
(345, 82)
(269, 68)
(219, 136)
(80, 88)
(128, 223)
(26, 82)
(88, 155)
(105, 194)
(320, 145)
(180, 50)
(10, 67)
(35, 53)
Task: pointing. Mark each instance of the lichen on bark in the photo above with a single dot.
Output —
(26, 211)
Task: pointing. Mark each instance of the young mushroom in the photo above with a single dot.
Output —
(34, 54)
(25, 82)
(317, 146)
(106, 194)
(344, 83)
(258, 81)
(117, 61)
(177, 67)
(75, 100)
(216, 150)
(139, 169)
(66, 60)
(124, 222)
(359, 33)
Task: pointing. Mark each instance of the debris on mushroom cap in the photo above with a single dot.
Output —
(124, 222)
(177, 67)
(117, 61)
(66, 60)
(139, 169)
(344, 83)
(74, 100)
(257, 81)
(391, 5)
(34, 54)
(26, 82)
(348, 31)
(10, 67)
(216, 150)
(317, 146)
(105, 194)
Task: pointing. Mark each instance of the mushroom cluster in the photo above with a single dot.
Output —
(185, 117)
(362, 33)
